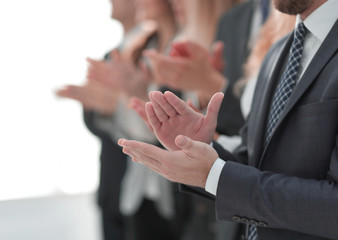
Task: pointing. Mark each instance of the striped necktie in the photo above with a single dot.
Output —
(288, 80)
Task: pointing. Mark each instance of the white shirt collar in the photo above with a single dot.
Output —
(320, 22)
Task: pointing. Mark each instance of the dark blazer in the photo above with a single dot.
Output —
(112, 164)
(234, 31)
(112, 159)
(289, 188)
(112, 168)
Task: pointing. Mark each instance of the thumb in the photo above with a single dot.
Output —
(217, 56)
(213, 109)
(189, 146)
(217, 50)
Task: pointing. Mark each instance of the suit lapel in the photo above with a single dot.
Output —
(263, 94)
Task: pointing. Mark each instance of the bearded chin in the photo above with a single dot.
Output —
(292, 7)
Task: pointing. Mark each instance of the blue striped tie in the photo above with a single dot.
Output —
(288, 80)
(284, 91)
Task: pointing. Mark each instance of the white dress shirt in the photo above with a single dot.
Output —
(319, 24)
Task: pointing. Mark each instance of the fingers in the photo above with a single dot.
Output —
(71, 91)
(78, 93)
(158, 99)
(155, 123)
(139, 107)
(115, 55)
(63, 92)
(143, 152)
(217, 59)
(179, 50)
(217, 50)
(97, 70)
(145, 160)
(195, 51)
(213, 109)
(159, 111)
(92, 61)
(179, 105)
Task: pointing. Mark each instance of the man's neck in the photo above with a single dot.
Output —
(312, 8)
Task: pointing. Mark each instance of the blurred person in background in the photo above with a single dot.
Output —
(191, 66)
(98, 101)
(147, 200)
(199, 20)
(275, 165)
(198, 23)
(194, 68)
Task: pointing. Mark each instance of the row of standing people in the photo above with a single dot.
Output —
(195, 48)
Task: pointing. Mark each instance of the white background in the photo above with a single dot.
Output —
(44, 146)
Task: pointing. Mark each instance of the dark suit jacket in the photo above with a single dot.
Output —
(112, 168)
(112, 159)
(290, 188)
(234, 31)
(112, 165)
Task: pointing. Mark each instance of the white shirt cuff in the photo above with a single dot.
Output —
(214, 175)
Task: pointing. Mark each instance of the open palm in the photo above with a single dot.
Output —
(170, 116)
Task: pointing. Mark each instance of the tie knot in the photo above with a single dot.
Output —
(301, 31)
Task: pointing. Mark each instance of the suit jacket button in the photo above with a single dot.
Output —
(262, 224)
(236, 219)
(253, 222)
(244, 220)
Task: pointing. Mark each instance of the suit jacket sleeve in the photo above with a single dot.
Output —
(280, 201)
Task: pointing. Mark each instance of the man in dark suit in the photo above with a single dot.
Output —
(283, 179)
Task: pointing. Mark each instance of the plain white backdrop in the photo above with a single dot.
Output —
(45, 148)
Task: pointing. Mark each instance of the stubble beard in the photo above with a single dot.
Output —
(292, 7)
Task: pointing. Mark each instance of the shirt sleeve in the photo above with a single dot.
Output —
(213, 176)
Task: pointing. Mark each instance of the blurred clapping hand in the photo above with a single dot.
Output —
(189, 67)
(107, 81)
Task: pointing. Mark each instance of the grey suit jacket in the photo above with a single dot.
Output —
(289, 188)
